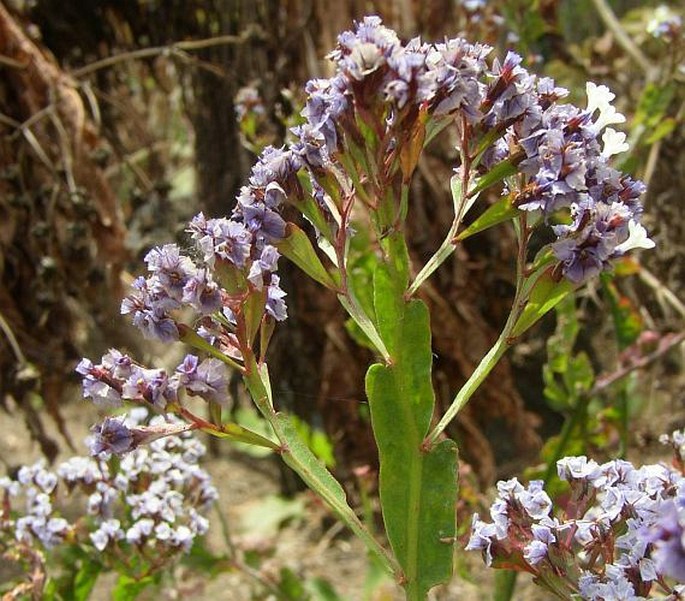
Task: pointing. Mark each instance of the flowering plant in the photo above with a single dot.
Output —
(136, 515)
(350, 169)
(620, 536)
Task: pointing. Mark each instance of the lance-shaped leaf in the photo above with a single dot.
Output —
(501, 211)
(297, 247)
(497, 174)
(546, 294)
(417, 488)
(238, 433)
(300, 458)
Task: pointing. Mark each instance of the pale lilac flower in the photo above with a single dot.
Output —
(208, 379)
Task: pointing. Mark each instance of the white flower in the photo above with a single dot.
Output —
(637, 238)
(599, 98)
(614, 142)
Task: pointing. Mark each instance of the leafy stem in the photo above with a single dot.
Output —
(297, 455)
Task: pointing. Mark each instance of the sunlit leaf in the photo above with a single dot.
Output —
(501, 211)
(298, 248)
(545, 295)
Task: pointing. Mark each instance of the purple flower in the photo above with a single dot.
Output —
(363, 51)
(111, 436)
(202, 293)
(535, 500)
(263, 267)
(668, 538)
(149, 305)
(535, 551)
(208, 379)
(261, 220)
(99, 384)
(118, 364)
(482, 535)
(275, 165)
(171, 269)
(151, 386)
(230, 240)
(275, 305)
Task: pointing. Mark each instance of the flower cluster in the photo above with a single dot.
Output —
(150, 504)
(567, 168)
(563, 151)
(363, 128)
(118, 378)
(618, 537)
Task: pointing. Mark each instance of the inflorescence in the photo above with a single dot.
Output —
(150, 504)
(363, 131)
(620, 535)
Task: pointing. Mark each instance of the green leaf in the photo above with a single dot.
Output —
(628, 322)
(505, 584)
(653, 104)
(85, 579)
(297, 247)
(251, 419)
(501, 211)
(291, 586)
(238, 433)
(364, 322)
(496, 174)
(545, 295)
(663, 129)
(297, 455)
(316, 440)
(127, 588)
(417, 488)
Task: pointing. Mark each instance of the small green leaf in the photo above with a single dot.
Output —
(85, 579)
(364, 323)
(628, 322)
(239, 434)
(663, 129)
(297, 247)
(127, 588)
(654, 103)
(251, 419)
(501, 211)
(316, 440)
(545, 295)
(291, 586)
(496, 174)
